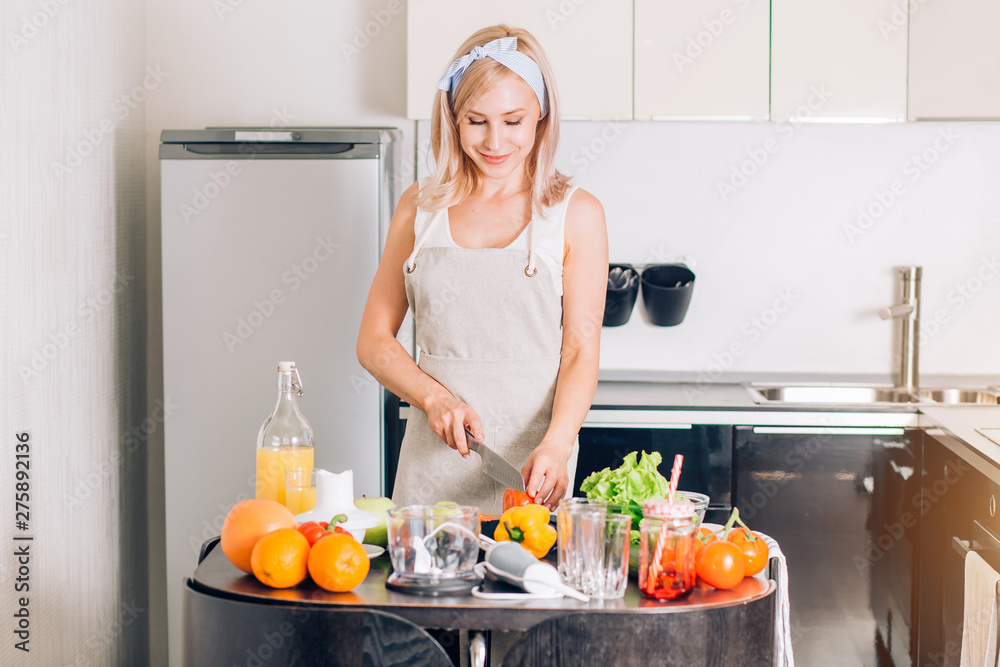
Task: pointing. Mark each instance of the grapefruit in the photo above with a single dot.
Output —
(247, 522)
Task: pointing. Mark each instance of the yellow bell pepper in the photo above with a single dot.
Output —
(529, 526)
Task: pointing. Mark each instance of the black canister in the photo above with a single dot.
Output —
(620, 300)
(666, 293)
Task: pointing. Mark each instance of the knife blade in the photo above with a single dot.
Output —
(495, 465)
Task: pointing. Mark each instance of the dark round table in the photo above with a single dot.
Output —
(218, 588)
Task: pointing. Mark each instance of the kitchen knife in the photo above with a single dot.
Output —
(495, 465)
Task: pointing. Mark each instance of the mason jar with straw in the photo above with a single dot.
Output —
(667, 544)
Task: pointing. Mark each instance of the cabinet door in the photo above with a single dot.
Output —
(702, 59)
(955, 60)
(588, 44)
(814, 491)
(894, 531)
(959, 504)
(837, 60)
(942, 572)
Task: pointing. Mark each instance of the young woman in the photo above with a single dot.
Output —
(504, 266)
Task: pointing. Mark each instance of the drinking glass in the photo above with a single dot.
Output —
(579, 539)
(606, 577)
(300, 489)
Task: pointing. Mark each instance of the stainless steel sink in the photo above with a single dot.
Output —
(847, 395)
(829, 394)
(960, 396)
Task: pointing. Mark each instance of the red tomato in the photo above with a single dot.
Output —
(753, 547)
(513, 498)
(721, 565)
(314, 532)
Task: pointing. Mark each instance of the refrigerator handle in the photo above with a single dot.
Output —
(274, 150)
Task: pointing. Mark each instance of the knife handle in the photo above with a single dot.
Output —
(473, 443)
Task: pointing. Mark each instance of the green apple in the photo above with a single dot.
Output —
(377, 506)
(446, 510)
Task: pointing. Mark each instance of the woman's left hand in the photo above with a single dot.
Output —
(547, 461)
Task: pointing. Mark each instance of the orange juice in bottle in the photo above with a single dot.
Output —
(285, 439)
(271, 466)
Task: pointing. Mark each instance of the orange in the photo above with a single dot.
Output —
(279, 558)
(338, 563)
(247, 522)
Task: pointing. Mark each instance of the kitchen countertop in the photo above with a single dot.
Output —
(634, 398)
(665, 400)
(676, 390)
(665, 403)
(955, 426)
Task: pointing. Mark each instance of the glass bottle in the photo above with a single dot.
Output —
(285, 439)
(666, 549)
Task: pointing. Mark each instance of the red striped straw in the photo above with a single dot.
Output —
(675, 476)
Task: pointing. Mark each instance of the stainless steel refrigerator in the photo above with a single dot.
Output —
(270, 241)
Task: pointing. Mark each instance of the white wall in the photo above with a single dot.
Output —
(73, 81)
(234, 62)
(794, 225)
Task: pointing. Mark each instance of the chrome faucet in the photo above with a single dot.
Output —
(908, 310)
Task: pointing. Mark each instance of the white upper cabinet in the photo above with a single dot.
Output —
(955, 60)
(839, 60)
(705, 59)
(587, 42)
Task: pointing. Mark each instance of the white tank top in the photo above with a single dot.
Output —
(549, 235)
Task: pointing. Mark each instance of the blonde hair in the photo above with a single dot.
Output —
(456, 176)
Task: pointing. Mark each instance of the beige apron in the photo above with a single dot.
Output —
(489, 328)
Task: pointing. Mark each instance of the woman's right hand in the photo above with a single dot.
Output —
(449, 417)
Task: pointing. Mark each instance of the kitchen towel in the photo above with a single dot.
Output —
(783, 656)
(979, 629)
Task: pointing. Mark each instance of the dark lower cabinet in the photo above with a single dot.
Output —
(960, 514)
(707, 451)
(835, 499)
(941, 580)
(893, 544)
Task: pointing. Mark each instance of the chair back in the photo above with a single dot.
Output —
(736, 635)
(221, 631)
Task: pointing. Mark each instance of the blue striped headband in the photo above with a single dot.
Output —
(504, 51)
